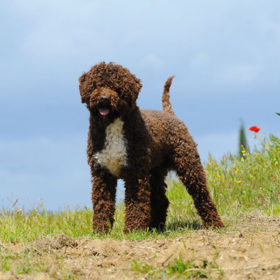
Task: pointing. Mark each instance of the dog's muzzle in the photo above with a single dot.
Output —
(103, 106)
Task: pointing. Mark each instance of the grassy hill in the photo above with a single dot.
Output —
(241, 188)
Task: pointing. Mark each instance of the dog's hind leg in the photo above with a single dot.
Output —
(158, 199)
(103, 198)
(191, 173)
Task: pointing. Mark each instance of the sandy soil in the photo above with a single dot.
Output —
(249, 249)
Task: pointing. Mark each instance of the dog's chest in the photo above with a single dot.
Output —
(114, 154)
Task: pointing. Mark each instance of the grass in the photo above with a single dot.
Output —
(180, 268)
(247, 184)
(30, 261)
(237, 186)
(191, 270)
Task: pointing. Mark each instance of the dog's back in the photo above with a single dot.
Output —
(163, 125)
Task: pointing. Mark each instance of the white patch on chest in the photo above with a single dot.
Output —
(113, 156)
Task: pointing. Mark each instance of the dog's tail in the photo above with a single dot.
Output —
(167, 107)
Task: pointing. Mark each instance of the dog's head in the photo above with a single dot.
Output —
(109, 90)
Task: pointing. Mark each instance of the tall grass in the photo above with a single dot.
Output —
(237, 186)
(247, 184)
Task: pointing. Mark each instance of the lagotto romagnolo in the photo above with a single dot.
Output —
(140, 147)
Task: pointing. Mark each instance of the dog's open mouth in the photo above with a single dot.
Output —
(103, 111)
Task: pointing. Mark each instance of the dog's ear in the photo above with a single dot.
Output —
(131, 89)
(83, 89)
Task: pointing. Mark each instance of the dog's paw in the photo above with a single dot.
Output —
(213, 224)
(100, 227)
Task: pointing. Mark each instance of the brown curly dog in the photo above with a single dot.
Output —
(139, 146)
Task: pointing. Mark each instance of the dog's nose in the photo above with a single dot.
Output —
(104, 97)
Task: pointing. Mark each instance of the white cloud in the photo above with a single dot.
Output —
(200, 61)
(241, 74)
(154, 61)
(202, 42)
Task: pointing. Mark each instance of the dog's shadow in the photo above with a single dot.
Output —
(190, 224)
(181, 226)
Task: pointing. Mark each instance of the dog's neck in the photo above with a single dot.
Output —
(131, 114)
(97, 128)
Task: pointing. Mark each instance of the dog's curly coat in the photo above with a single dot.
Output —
(139, 146)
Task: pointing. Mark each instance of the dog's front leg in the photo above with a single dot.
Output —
(137, 204)
(103, 198)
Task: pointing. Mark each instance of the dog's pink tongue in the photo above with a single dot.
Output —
(103, 111)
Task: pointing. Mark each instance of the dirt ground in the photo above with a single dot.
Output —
(249, 249)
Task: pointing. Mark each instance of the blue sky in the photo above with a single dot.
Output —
(224, 55)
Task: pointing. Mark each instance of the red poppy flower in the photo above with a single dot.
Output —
(254, 128)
